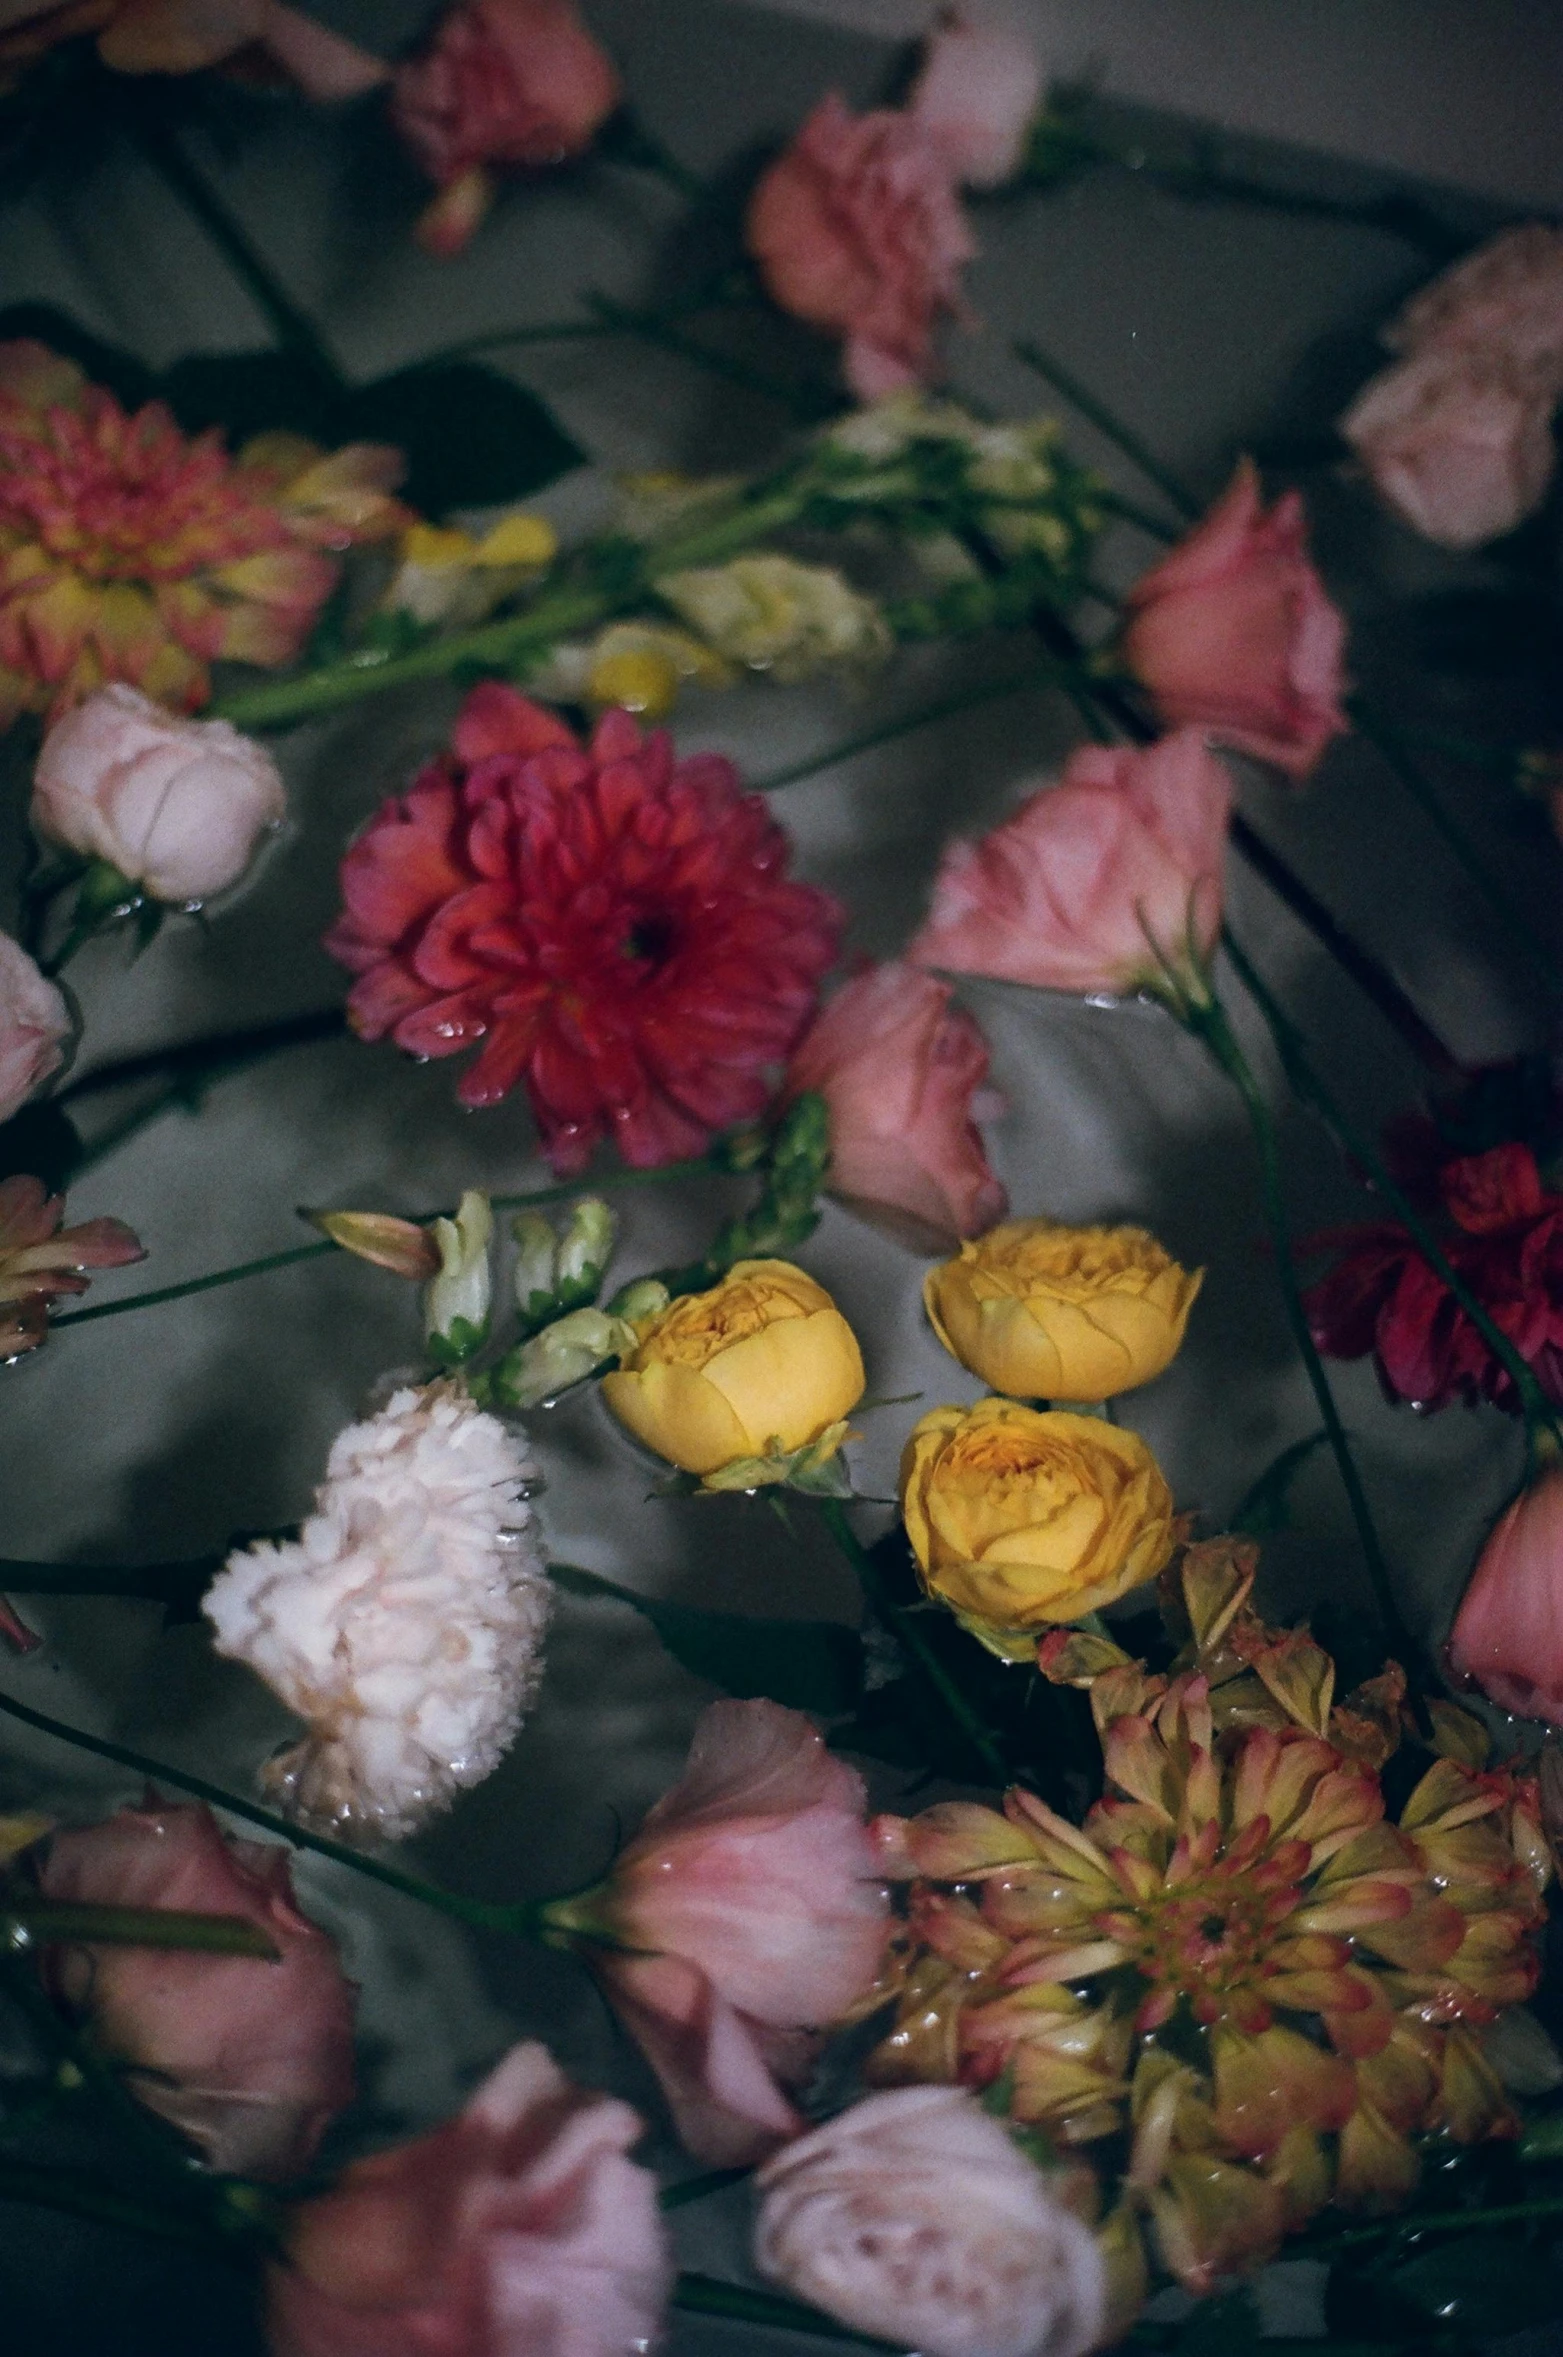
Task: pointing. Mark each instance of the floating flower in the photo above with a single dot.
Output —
(976, 95)
(522, 2225)
(858, 229)
(1020, 1518)
(747, 1911)
(252, 2059)
(177, 806)
(1234, 632)
(1108, 881)
(1501, 1231)
(404, 1624)
(40, 1260)
(510, 84)
(35, 1023)
(761, 1365)
(615, 926)
(452, 579)
(1508, 1632)
(773, 614)
(131, 551)
(914, 2217)
(902, 1071)
(1045, 1311)
(1237, 1959)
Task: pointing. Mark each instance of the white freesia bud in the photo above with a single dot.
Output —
(537, 1264)
(646, 1297)
(586, 1249)
(404, 1624)
(176, 805)
(776, 615)
(564, 1353)
(914, 2217)
(456, 1302)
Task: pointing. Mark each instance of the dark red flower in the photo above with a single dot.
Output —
(616, 927)
(1502, 1233)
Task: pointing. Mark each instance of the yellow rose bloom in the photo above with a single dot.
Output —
(1045, 1311)
(763, 1363)
(1020, 1518)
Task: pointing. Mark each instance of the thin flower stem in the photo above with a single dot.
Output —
(84, 2196)
(1079, 396)
(522, 1918)
(965, 700)
(34, 1923)
(698, 2189)
(219, 1051)
(179, 1585)
(705, 2295)
(905, 1628)
(1310, 1088)
(81, 932)
(808, 404)
(565, 1192)
(1130, 511)
(1438, 2222)
(1208, 1022)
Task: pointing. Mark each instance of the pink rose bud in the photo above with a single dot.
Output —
(35, 1023)
(1508, 1632)
(518, 84)
(857, 229)
(749, 1911)
(1458, 444)
(176, 805)
(517, 2228)
(901, 1070)
(1108, 882)
(251, 2060)
(913, 2217)
(976, 96)
(1233, 632)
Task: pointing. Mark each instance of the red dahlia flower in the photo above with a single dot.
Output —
(1503, 1234)
(616, 926)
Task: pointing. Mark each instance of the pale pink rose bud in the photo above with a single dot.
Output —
(516, 84)
(1508, 1632)
(1234, 632)
(915, 2218)
(252, 2060)
(1108, 882)
(750, 1912)
(518, 2229)
(901, 1070)
(1459, 444)
(176, 805)
(976, 96)
(858, 229)
(35, 1023)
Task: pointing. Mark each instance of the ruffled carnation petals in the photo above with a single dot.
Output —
(614, 928)
(1459, 444)
(1234, 632)
(858, 230)
(1102, 883)
(251, 2059)
(405, 1623)
(976, 95)
(35, 1024)
(521, 2226)
(1508, 1633)
(913, 2216)
(902, 1071)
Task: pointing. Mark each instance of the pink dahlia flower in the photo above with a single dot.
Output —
(616, 927)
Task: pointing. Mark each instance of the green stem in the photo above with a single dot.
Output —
(705, 2295)
(219, 1052)
(1439, 2222)
(229, 1276)
(521, 1918)
(1208, 1022)
(808, 404)
(963, 701)
(1392, 750)
(904, 1625)
(697, 2189)
(177, 1584)
(1308, 1086)
(1054, 373)
(82, 930)
(84, 2196)
(34, 1923)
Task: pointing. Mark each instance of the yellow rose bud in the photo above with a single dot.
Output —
(761, 1364)
(1020, 1518)
(1044, 1311)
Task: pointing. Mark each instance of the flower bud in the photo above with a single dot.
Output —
(537, 1266)
(562, 1354)
(1508, 1632)
(647, 1297)
(456, 1303)
(400, 1245)
(585, 1251)
(773, 614)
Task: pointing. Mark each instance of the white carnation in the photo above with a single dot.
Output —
(404, 1624)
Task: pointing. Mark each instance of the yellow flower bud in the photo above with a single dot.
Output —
(432, 546)
(1044, 1311)
(1020, 1519)
(761, 1364)
(528, 542)
(640, 679)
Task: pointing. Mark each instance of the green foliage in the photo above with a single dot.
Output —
(1266, 1506)
(812, 1665)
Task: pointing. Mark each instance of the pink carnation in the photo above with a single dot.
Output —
(900, 1069)
(857, 229)
(1234, 632)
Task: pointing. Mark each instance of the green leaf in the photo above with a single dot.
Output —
(472, 437)
(128, 378)
(1486, 2283)
(249, 393)
(813, 1665)
(1265, 1508)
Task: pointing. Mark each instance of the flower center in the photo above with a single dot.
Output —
(1212, 1938)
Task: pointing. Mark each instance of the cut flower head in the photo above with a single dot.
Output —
(1238, 1961)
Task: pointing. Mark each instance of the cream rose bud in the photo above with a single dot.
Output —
(176, 805)
(914, 2217)
(1045, 1311)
